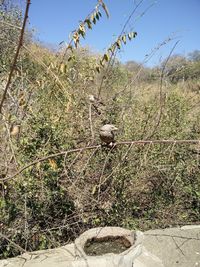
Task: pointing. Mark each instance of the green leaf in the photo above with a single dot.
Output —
(124, 38)
(71, 58)
(101, 62)
(106, 57)
(94, 20)
(89, 23)
(81, 30)
(118, 43)
(97, 16)
(132, 35)
(98, 69)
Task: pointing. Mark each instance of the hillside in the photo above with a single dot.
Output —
(56, 180)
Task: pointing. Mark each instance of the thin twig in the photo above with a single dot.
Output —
(90, 157)
(117, 167)
(115, 51)
(48, 71)
(16, 55)
(11, 144)
(102, 172)
(161, 92)
(48, 157)
(90, 120)
(141, 65)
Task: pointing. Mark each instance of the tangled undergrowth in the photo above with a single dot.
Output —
(48, 110)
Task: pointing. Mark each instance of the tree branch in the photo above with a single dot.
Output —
(16, 55)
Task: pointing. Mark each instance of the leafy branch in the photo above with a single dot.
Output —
(122, 39)
(114, 52)
(87, 23)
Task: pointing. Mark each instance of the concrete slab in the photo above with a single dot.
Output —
(175, 247)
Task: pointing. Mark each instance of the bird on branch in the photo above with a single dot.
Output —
(107, 134)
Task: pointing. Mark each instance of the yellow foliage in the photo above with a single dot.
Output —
(53, 164)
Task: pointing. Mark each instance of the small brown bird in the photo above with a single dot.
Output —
(107, 134)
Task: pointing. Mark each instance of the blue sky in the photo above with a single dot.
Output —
(55, 19)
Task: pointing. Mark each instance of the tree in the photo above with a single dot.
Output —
(174, 68)
(132, 66)
(194, 56)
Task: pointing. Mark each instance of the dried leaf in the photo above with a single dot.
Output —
(53, 164)
(22, 101)
(52, 66)
(63, 68)
(105, 9)
(14, 130)
(76, 39)
(70, 47)
(94, 189)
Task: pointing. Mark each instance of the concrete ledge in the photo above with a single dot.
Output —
(175, 247)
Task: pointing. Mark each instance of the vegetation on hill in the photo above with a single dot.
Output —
(48, 110)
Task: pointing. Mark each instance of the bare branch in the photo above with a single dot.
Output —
(16, 55)
(161, 92)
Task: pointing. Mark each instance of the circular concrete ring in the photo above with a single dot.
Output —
(134, 238)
